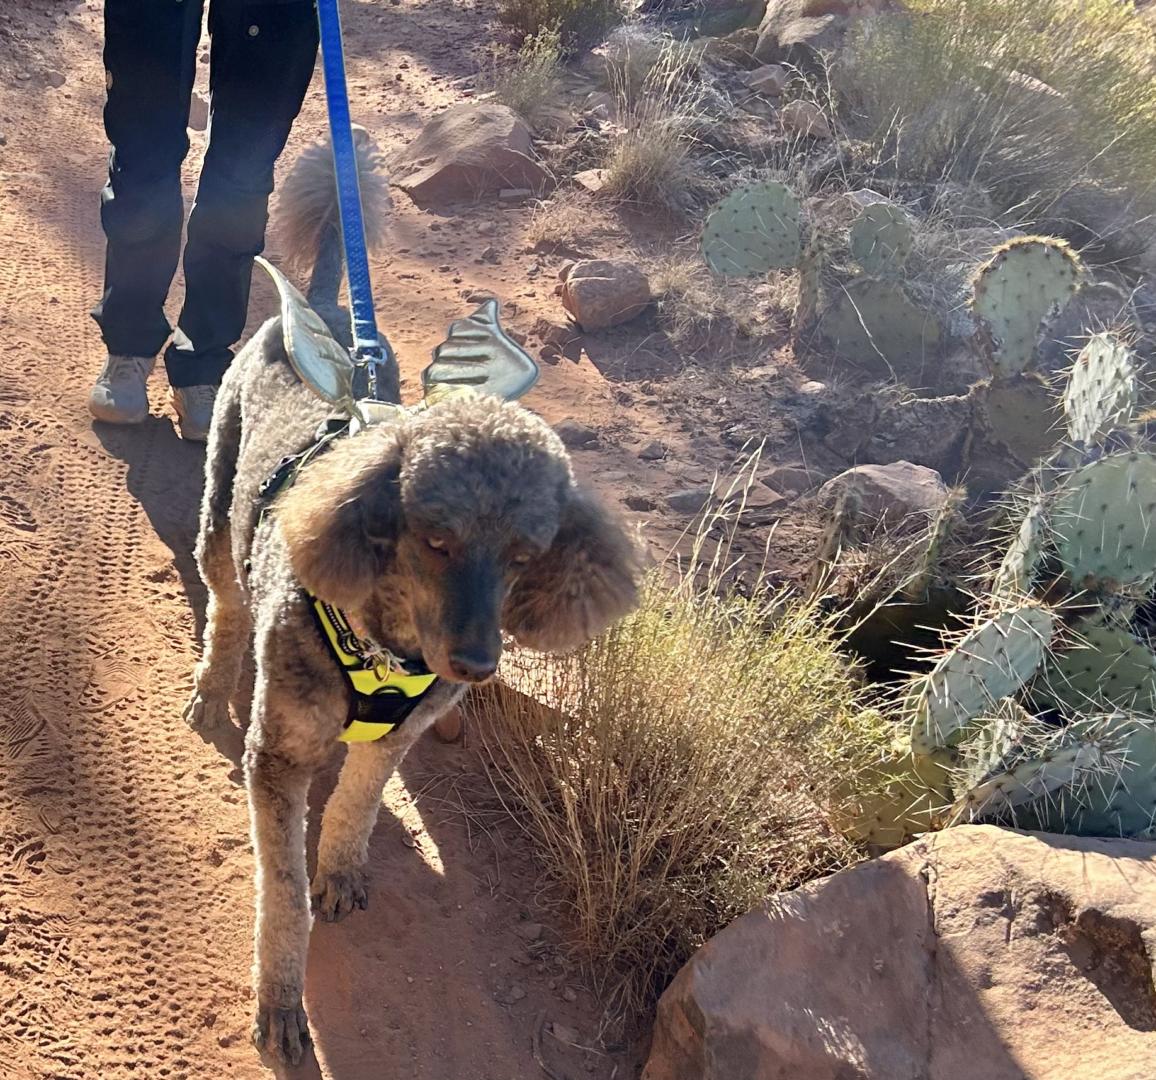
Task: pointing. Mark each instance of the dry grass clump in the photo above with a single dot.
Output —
(571, 221)
(579, 22)
(673, 774)
(661, 107)
(1032, 97)
(693, 305)
(527, 80)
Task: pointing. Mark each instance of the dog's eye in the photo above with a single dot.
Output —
(521, 558)
(436, 542)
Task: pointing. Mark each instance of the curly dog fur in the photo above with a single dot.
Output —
(435, 535)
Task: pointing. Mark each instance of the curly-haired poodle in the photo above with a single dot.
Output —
(426, 540)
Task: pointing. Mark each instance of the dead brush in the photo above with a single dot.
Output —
(661, 107)
(693, 306)
(527, 79)
(1033, 98)
(672, 775)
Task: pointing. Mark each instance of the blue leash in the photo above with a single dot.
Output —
(371, 350)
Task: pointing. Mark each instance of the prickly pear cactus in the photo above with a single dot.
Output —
(1101, 393)
(992, 662)
(1104, 520)
(1121, 800)
(1106, 664)
(1017, 572)
(1025, 283)
(1021, 415)
(874, 324)
(881, 239)
(1031, 779)
(754, 230)
(900, 795)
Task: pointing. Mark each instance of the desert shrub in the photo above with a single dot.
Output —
(1031, 96)
(675, 772)
(661, 107)
(527, 80)
(579, 22)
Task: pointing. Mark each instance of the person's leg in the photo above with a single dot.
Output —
(261, 62)
(150, 62)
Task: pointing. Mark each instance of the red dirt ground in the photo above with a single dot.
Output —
(125, 869)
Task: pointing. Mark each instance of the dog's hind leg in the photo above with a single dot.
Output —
(350, 814)
(278, 789)
(228, 628)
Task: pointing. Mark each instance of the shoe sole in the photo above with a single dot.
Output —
(119, 418)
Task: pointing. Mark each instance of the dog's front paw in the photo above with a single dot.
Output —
(338, 893)
(282, 1032)
(204, 712)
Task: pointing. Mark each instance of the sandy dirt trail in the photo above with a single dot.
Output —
(125, 869)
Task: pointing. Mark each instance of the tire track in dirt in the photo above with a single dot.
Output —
(125, 872)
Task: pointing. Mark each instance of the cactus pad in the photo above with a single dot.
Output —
(1031, 779)
(1026, 282)
(1017, 571)
(1020, 414)
(881, 239)
(991, 662)
(754, 230)
(1104, 521)
(874, 324)
(892, 800)
(1108, 664)
(1101, 392)
(1121, 801)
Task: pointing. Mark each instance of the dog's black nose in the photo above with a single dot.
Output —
(472, 667)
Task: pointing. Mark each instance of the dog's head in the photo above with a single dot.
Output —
(459, 523)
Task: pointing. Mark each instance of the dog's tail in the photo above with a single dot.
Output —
(310, 223)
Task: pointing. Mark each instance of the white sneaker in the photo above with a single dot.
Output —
(194, 405)
(120, 394)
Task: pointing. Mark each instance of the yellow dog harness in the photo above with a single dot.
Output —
(383, 689)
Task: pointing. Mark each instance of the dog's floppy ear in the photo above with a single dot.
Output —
(585, 582)
(342, 517)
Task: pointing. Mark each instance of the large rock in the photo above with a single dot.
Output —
(895, 491)
(973, 954)
(604, 292)
(798, 31)
(468, 151)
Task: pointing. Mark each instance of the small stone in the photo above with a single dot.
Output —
(569, 994)
(529, 931)
(599, 293)
(575, 435)
(445, 268)
(790, 479)
(3, 139)
(640, 504)
(479, 296)
(485, 228)
(510, 996)
(690, 501)
(488, 254)
(805, 118)
(771, 79)
(563, 1033)
(552, 333)
(54, 79)
(812, 387)
(198, 111)
(593, 180)
(652, 451)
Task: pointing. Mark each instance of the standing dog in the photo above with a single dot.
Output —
(428, 539)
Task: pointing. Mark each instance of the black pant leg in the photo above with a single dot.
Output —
(262, 58)
(150, 56)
